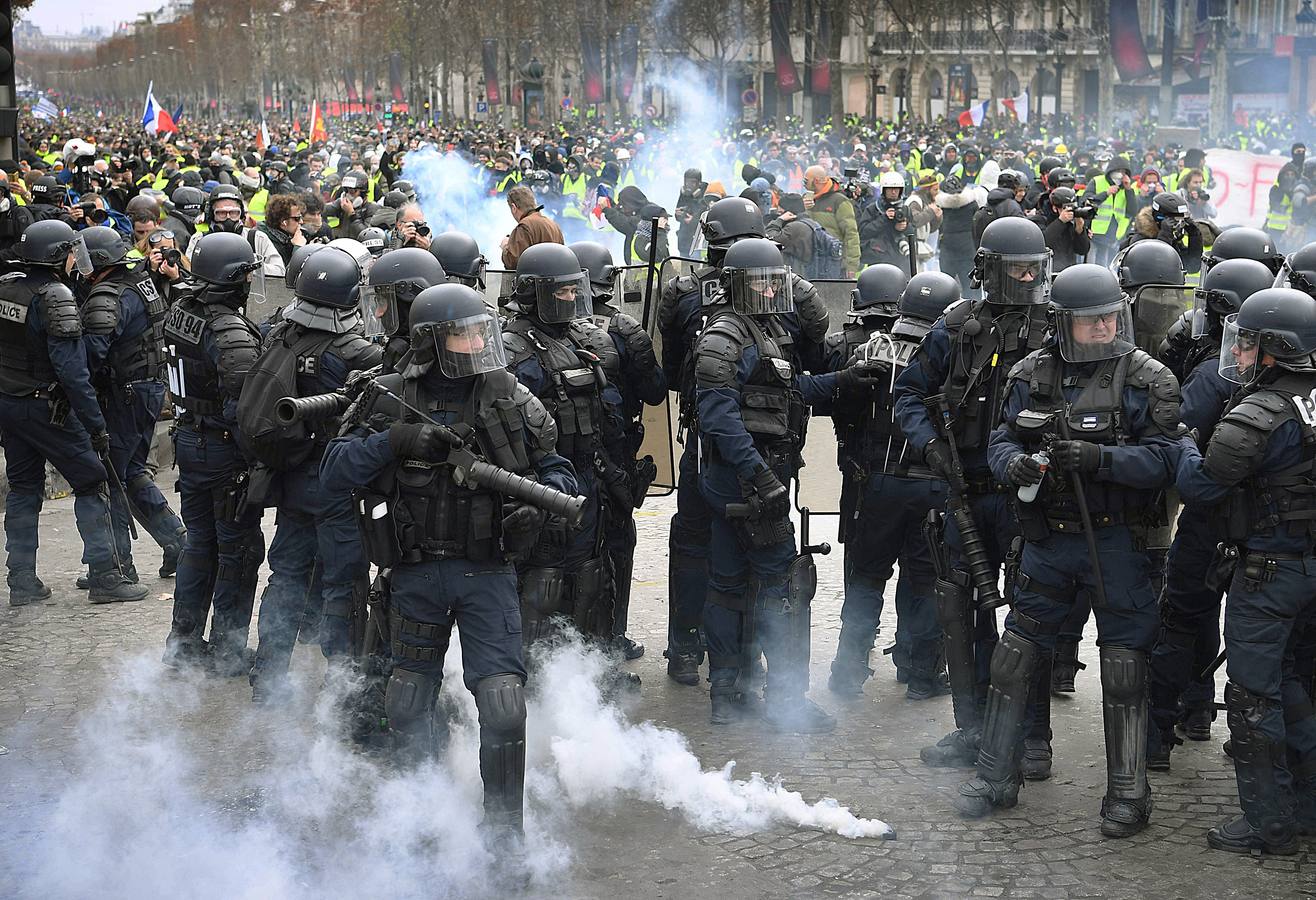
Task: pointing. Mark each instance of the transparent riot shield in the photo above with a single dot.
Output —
(636, 294)
(819, 486)
(498, 286)
(1155, 308)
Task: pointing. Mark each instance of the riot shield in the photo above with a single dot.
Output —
(1155, 308)
(498, 286)
(274, 296)
(819, 485)
(659, 421)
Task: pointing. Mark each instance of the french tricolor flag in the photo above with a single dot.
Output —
(973, 116)
(155, 119)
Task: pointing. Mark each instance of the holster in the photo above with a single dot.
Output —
(231, 498)
(646, 471)
(261, 492)
(1221, 571)
(374, 517)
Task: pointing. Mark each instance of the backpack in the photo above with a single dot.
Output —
(274, 376)
(981, 219)
(828, 254)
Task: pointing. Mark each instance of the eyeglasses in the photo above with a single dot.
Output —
(221, 215)
(158, 236)
(297, 218)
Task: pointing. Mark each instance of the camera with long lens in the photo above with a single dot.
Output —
(93, 213)
(172, 255)
(1082, 210)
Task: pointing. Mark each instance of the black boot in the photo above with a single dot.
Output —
(920, 687)
(682, 667)
(727, 705)
(500, 700)
(999, 778)
(1197, 724)
(25, 587)
(1035, 764)
(112, 586)
(1065, 667)
(957, 750)
(129, 573)
(1267, 824)
(1159, 745)
(185, 649)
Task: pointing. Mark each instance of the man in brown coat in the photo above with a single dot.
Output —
(532, 226)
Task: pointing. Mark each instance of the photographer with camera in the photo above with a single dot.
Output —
(167, 265)
(410, 229)
(1192, 189)
(883, 225)
(1167, 219)
(1067, 233)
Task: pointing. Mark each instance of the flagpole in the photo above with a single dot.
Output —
(147, 103)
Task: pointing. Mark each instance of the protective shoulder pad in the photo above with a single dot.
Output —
(540, 425)
(356, 351)
(719, 350)
(234, 331)
(835, 343)
(639, 346)
(100, 311)
(810, 309)
(1241, 437)
(625, 325)
(1146, 373)
(518, 349)
(669, 301)
(1024, 368)
(958, 313)
(61, 311)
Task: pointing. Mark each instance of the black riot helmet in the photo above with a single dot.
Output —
(1276, 322)
(105, 246)
(1013, 263)
(1168, 206)
(331, 277)
(1149, 262)
(406, 187)
(395, 199)
(188, 202)
(551, 284)
(1061, 177)
(1010, 180)
(48, 243)
(226, 264)
(1242, 242)
(295, 263)
(395, 281)
(596, 259)
(727, 221)
(452, 322)
(1093, 319)
(460, 257)
(1045, 166)
(877, 290)
(922, 302)
(225, 192)
(755, 279)
(1299, 270)
(374, 239)
(1223, 291)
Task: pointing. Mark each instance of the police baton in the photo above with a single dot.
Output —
(113, 476)
(1084, 513)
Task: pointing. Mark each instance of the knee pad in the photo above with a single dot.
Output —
(1123, 673)
(500, 701)
(87, 490)
(138, 483)
(1013, 661)
(409, 696)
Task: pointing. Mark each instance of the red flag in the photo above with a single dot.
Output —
(318, 131)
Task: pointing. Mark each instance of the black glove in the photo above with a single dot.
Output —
(523, 520)
(937, 455)
(100, 441)
(1076, 456)
(853, 381)
(774, 499)
(411, 440)
(1023, 470)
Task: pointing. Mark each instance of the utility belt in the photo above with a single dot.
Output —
(54, 392)
(194, 424)
(428, 520)
(981, 484)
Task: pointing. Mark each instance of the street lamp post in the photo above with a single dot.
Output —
(874, 73)
(1304, 45)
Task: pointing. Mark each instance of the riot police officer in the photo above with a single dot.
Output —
(322, 331)
(752, 395)
(548, 346)
(1244, 242)
(446, 542)
(1090, 380)
(685, 304)
(627, 355)
(210, 347)
(959, 371)
(49, 413)
(1261, 463)
(123, 321)
(886, 495)
(1190, 611)
(396, 279)
(460, 257)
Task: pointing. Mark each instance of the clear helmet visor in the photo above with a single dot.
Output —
(761, 291)
(1095, 334)
(563, 298)
(1156, 307)
(1207, 303)
(1017, 279)
(81, 258)
(466, 347)
(381, 311)
(257, 293)
(1298, 280)
(1239, 349)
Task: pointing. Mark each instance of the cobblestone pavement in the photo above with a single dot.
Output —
(61, 665)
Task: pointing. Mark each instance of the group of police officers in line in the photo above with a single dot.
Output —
(485, 463)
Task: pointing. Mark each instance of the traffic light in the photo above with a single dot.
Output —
(8, 85)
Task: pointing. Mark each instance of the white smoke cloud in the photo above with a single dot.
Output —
(452, 199)
(276, 806)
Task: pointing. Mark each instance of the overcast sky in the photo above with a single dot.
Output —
(71, 16)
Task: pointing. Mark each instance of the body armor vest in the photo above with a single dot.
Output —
(433, 517)
(975, 385)
(1286, 499)
(140, 357)
(193, 377)
(869, 440)
(24, 363)
(573, 395)
(770, 406)
(1096, 415)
